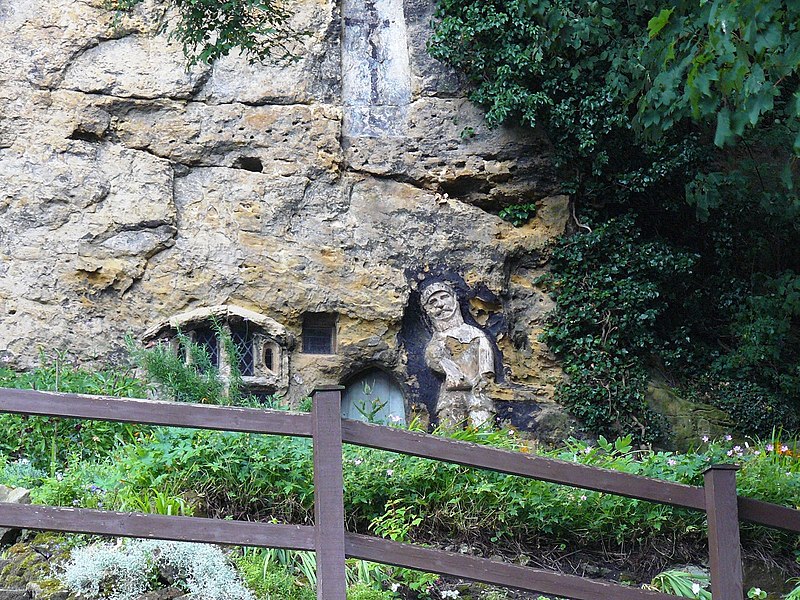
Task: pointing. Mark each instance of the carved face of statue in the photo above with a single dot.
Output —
(441, 306)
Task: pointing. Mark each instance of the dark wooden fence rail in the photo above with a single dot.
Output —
(328, 538)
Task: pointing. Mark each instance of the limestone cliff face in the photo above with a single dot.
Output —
(132, 189)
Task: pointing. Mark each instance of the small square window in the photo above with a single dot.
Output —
(319, 333)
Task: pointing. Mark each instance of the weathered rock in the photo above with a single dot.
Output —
(688, 421)
(134, 189)
(29, 568)
(16, 495)
(15, 595)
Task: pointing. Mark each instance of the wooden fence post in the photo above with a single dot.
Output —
(329, 494)
(725, 555)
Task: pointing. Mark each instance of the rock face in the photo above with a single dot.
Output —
(134, 189)
(687, 422)
(14, 495)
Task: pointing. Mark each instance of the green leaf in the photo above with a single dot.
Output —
(723, 133)
(657, 23)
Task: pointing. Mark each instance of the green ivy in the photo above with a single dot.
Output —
(682, 119)
(612, 291)
(518, 214)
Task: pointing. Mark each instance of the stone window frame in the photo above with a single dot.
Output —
(267, 334)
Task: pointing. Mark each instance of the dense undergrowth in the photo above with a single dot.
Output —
(257, 477)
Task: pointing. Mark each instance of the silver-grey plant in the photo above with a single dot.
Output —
(126, 570)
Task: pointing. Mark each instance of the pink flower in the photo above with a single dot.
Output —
(728, 438)
(672, 462)
(770, 447)
(705, 439)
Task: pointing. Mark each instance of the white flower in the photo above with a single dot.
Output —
(357, 461)
(672, 462)
(587, 450)
(450, 594)
(696, 588)
(583, 498)
(705, 439)
(390, 472)
(728, 438)
(394, 587)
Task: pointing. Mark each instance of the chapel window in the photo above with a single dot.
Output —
(261, 344)
(208, 340)
(243, 341)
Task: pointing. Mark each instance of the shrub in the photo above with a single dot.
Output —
(198, 382)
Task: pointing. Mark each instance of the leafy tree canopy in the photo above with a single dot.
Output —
(630, 91)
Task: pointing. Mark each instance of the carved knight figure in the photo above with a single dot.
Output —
(463, 354)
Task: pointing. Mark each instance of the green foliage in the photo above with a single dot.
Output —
(198, 382)
(153, 501)
(735, 62)
(252, 477)
(518, 214)
(756, 593)
(598, 75)
(55, 374)
(406, 498)
(208, 29)
(271, 581)
(681, 583)
(766, 340)
(573, 69)
(612, 290)
(49, 442)
(364, 592)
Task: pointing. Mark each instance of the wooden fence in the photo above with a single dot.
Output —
(328, 538)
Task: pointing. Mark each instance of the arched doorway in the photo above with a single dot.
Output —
(375, 397)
